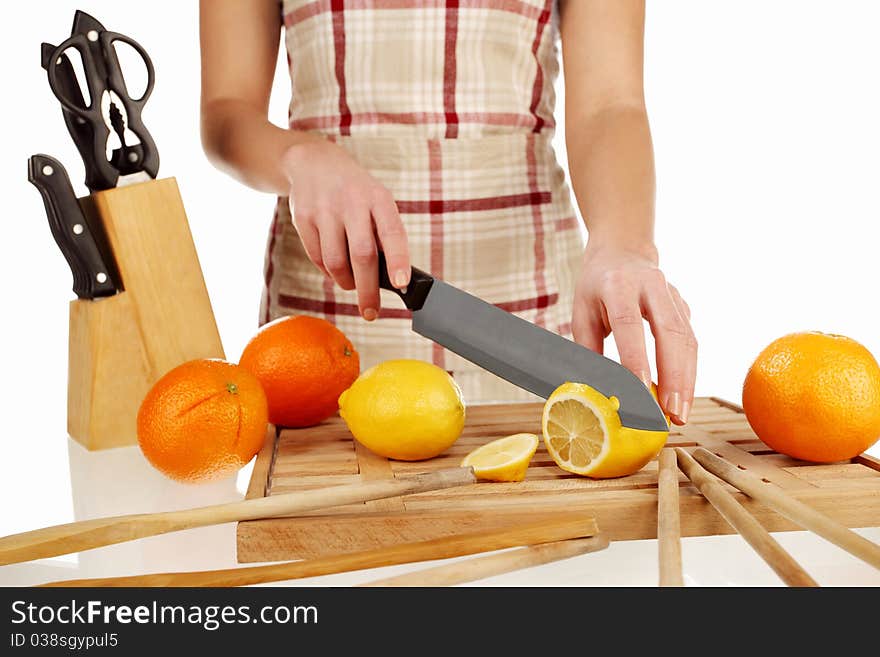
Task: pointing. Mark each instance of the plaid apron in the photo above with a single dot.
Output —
(449, 104)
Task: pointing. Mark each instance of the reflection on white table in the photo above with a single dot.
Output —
(120, 481)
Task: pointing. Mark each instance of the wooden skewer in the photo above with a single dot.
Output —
(552, 527)
(793, 509)
(745, 523)
(88, 534)
(496, 564)
(669, 521)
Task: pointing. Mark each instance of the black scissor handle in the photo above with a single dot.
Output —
(114, 70)
(95, 78)
(103, 74)
(143, 156)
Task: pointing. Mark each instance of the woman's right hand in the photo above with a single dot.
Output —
(344, 216)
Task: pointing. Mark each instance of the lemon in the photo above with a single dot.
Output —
(583, 434)
(407, 410)
(505, 459)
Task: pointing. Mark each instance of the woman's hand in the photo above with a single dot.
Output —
(344, 216)
(617, 289)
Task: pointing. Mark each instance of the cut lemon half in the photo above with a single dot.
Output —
(583, 434)
(505, 459)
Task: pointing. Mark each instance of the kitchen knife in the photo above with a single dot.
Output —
(94, 275)
(518, 351)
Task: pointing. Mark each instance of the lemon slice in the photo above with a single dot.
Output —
(583, 434)
(505, 459)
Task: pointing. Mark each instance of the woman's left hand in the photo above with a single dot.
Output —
(618, 288)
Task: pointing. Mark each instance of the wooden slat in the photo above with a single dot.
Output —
(846, 483)
(723, 403)
(835, 471)
(260, 476)
(316, 468)
(373, 467)
(870, 461)
(289, 484)
(303, 450)
(744, 459)
(528, 487)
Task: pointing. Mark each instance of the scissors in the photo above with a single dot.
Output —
(110, 105)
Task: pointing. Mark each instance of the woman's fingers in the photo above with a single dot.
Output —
(625, 321)
(364, 262)
(690, 374)
(680, 302)
(339, 202)
(676, 349)
(587, 327)
(309, 236)
(392, 237)
(334, 251)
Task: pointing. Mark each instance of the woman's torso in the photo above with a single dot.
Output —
(450, 106)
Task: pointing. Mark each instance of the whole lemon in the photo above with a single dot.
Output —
(406, 410)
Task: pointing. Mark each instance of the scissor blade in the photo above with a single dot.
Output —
(134, 178)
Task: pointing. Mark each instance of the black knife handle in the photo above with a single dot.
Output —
(416, 292)
(93, 275)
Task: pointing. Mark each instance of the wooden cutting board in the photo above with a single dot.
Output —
(624, 508)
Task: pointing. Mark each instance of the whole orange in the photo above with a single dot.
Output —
(203, 420)
(304, 364)
(814, 396)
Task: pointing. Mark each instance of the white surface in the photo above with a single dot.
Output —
(764, 121)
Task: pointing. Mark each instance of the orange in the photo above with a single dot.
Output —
(203, 420)
(814, 396)
(304, 364)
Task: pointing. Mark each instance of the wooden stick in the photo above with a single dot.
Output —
(496, 564)
(793, 509)
(745, 523)
(88, 534)
(669, 521)
(553, 527)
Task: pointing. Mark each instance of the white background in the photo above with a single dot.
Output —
(765, 122)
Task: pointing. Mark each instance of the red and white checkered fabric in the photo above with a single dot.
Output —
(449, 104)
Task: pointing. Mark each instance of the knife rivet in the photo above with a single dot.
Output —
(48, 171)
(77, 229)
(101, 277)
(92, 35)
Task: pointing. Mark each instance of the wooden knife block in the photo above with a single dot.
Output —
(119, 346)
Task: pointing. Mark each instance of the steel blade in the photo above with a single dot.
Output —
(529, 356)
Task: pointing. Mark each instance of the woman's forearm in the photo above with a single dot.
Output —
(240, 140)
(611, 164)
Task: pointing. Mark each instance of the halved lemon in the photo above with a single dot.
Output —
(505, 459)
(583, 434)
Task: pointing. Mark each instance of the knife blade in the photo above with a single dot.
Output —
(94, 274)
(518, 351)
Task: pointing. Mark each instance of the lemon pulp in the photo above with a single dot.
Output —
(583, 434)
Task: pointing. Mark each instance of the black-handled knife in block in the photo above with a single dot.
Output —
(94, 272)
